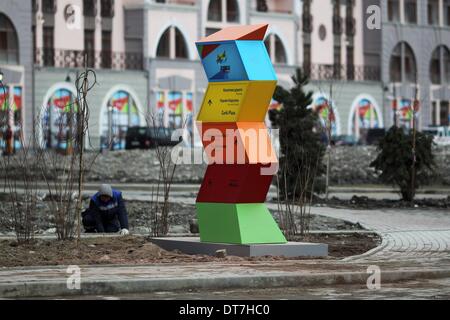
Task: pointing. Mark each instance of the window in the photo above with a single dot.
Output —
(350, 62)
(410, 64)
(89, 47)
(307, 17)
(394, 10)
(396, 65)
(261, 6)
(440, 66)
(232, 11)
(49, 6)
(90, 8)
(337, 54)
(106, 49)
(435, 68)
(163, 50)
(275, 48)
(444, 114)
(180, 45)
(365, 116)
(337, 21)
(172, 44)
(447, 13)
(9, 47)
(107, 8)
(433, 113)
(217, 8)
(210, 31)
(403, 64)
(337, 61)
(350, 22)
(49, 51)
(410, 11)
(307, 58)
(57, 122)
(433, 12)
(117, 116)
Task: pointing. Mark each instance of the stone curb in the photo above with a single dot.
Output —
(116, 287)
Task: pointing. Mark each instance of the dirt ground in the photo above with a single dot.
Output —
(138, 250)
(139, 218)
(364, 202)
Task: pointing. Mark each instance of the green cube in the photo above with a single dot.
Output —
(242, 223)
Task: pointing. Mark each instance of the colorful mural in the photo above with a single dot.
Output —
(327, 113)
(58, 118)
(120, 113)
(175, 109)
(365, 115)
(160, 105)
(275, 105)
(189, 119)
(405, 112)
(4, 94)
(15, 119)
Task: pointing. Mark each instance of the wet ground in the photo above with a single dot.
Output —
(422, 289)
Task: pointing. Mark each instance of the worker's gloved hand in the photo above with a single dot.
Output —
(124, 232)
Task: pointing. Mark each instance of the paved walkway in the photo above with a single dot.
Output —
(408, 234)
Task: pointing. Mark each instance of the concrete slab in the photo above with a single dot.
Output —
(192, 245)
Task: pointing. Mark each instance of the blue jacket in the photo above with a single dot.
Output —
(109, 212)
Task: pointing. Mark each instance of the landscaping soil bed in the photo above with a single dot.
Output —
(363, 202)
(139, 219)
(138, 250)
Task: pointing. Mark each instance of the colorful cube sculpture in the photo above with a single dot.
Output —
(230, 203)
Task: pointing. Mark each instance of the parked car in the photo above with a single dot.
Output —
(441, 135)
(149, 137)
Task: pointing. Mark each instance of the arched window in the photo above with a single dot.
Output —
(9, 44)
(440, 66)
(275, 48)
(172, 44)
(117, 116)
(364, 115)
(328, 114)
(217, 8)
(403, 66)
(58, 120)
(163, 50)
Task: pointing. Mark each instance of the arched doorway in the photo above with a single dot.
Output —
(119, 113)
(10, 116)
(365, 114)
(58, 119)
(328, 114)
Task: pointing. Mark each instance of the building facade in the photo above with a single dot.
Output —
(144, 55)
(416, 60)
(17, 70)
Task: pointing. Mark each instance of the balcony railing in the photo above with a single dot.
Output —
(342, 72)
(94, 59)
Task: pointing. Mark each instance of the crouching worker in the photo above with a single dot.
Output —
(106, 212)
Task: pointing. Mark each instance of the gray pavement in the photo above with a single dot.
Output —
(143, 191)
(408, 234)
(423, 289)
